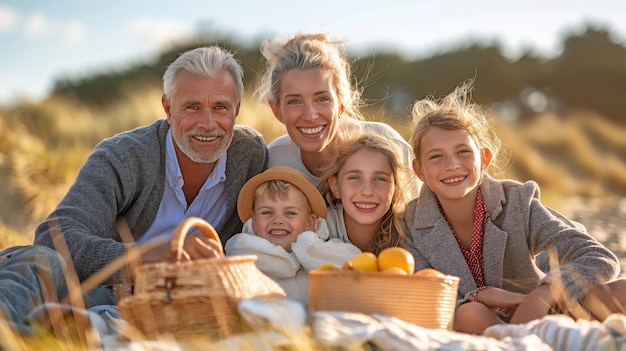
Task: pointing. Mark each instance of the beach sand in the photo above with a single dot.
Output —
(605, 219)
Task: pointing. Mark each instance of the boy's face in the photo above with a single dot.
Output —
(280, 221)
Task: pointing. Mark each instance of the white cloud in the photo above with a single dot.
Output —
(8, 18)
(74, 32)
(159, 33)
(38, 25)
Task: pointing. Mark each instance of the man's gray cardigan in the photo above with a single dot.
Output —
(124, 177)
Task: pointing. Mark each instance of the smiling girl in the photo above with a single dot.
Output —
(488, 232)
(364, 185)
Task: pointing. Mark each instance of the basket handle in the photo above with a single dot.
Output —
(181, 231)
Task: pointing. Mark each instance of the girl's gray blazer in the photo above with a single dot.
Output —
(518, 228)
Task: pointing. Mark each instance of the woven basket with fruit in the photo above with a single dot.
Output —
(386, 284)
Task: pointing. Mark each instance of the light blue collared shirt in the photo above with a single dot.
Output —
(208, 204)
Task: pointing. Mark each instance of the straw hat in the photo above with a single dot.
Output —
(288, 174)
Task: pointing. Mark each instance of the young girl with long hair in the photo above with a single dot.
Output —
(364, 185)
(488, 232)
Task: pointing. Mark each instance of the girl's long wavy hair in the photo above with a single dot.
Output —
(390, 232)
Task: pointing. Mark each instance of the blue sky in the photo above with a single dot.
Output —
(42, 40)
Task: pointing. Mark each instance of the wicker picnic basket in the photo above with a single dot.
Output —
(197, 297)
(426, 301)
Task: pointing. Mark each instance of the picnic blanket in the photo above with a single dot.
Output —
(281, 323)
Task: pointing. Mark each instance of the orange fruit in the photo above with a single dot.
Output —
(365, 261)
(430, 272)
(396, 257)
(348, 266)
(328, 267)
(395, 270)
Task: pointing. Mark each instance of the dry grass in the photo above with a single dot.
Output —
(581, 155)
(40, 174)
(259, 116)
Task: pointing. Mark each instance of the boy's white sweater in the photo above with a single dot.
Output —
(291, 269)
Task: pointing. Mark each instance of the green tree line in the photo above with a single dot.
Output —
(589, 74)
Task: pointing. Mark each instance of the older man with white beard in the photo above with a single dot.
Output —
(193, 163)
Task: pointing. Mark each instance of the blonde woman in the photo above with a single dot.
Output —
(307, 83)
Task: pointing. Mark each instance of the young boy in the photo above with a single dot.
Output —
(285, 227)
